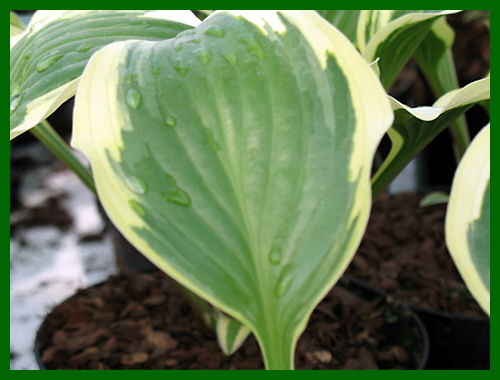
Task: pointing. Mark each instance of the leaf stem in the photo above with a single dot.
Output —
(51, 139)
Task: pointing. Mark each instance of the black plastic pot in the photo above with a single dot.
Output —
(457, 342)
(403, 327)
(405, 312)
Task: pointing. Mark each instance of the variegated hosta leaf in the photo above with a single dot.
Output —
(231, 333)
(435, 58)
(392, 36)
(468, 218)
(16, 25)
(414, 128)
(434, 198)
(47, 59)
(237, 158)
(346, 21)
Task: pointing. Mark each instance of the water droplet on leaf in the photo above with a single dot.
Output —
(170, 121)
(231, 58)
(215, 31)
(178, 196)
(48, 61)
(257, 51)
(187, 32)
(285, 281)
(15, 100)
(253, 47)
(134, 98)
(137, 185)
(204, 57)
(276, 255)
(84, 47)
(181, 69)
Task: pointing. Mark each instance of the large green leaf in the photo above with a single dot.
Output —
(414, 128)
(392, 36)
(468, 218)
(237, 158)
(47, 59)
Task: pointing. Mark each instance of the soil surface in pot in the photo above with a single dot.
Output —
(141, 321)
(404, 253)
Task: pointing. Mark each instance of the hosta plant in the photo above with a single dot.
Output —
(235, 153)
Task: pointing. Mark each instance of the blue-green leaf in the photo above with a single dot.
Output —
(468, 218)
(414, 128)
(237, 158)
(47, 59)
(392, 36)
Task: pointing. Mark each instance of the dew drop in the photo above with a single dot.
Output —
(16, 88)
(48, 61)
(84, 47)
(136, 207)
(256, 50)
(285, 281)
(170, 121)
(28, 55)
(15, 100)
(178, 196)
(137, 185)
(253, 47)
(187, 32)
(177, 45)
(204, 57)
(215, 31)
(134, 98)
(181, 69)
(231, 58)
(276, 255)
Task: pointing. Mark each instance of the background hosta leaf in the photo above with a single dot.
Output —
(435, 58)
(237, 157)
(468, 218)
(392, 36)
(47, 59)
(346, 21)
(434, 198)
(16, 25)
(231, 334)
(414, 128)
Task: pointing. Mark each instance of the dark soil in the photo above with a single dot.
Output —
(404, 253)
(141, 321)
